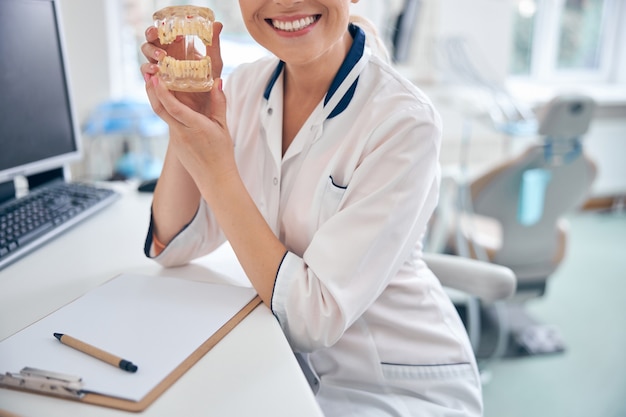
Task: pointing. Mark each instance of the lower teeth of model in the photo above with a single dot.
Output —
(198, 69)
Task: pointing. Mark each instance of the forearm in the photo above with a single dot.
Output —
(257, 248)
(202, 143)
(176, 199)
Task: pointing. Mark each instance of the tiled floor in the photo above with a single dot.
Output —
(586, 300)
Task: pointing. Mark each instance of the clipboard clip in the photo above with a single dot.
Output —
(44, 382)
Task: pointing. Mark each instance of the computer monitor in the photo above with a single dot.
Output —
(38, 129)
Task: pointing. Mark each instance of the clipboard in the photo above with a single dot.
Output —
(170, 301)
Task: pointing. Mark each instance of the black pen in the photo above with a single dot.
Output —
(95, 352)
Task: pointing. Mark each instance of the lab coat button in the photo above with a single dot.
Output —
(270, 111)
(275, 181)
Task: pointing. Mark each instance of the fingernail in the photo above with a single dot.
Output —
(146, 77)
(155, 81)
(157, 54)
(219, 84)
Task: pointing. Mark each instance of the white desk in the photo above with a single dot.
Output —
(252, 371)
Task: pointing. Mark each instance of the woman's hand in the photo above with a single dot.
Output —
(154, 51)
(192, 121)
(201, 142)
(197, 121)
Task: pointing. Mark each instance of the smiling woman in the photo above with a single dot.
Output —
(319, 166)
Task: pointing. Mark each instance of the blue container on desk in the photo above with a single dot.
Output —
(129, 118)
(125, 117)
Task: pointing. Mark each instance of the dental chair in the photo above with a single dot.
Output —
(472, 283)
(515, 216)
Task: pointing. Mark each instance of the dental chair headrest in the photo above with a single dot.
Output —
(566, 116)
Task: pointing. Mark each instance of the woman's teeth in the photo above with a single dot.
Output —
(294, 25)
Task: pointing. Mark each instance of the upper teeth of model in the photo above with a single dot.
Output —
(169, 30)
(293, 25)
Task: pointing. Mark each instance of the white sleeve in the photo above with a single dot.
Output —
(198, 238)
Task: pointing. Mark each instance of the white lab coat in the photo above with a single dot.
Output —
(351, 199)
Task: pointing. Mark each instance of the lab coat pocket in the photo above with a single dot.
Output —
(333, 193)
(449, 386)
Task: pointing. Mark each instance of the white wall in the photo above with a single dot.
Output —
(85, 29)
(486, 24)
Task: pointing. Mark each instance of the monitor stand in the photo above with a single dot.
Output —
(45, 177)
(8, 190)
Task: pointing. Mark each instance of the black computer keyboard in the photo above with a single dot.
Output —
(28, 222)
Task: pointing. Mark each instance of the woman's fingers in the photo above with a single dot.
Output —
(170, 108)
(217, 101)
(148, 70)
(215, 52)
(152, 34)
(152, 53)
(152, 49)
(153, 87)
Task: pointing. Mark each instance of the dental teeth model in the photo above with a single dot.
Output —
(192, 71)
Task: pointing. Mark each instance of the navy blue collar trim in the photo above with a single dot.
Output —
(273, 79)
(354, 55)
